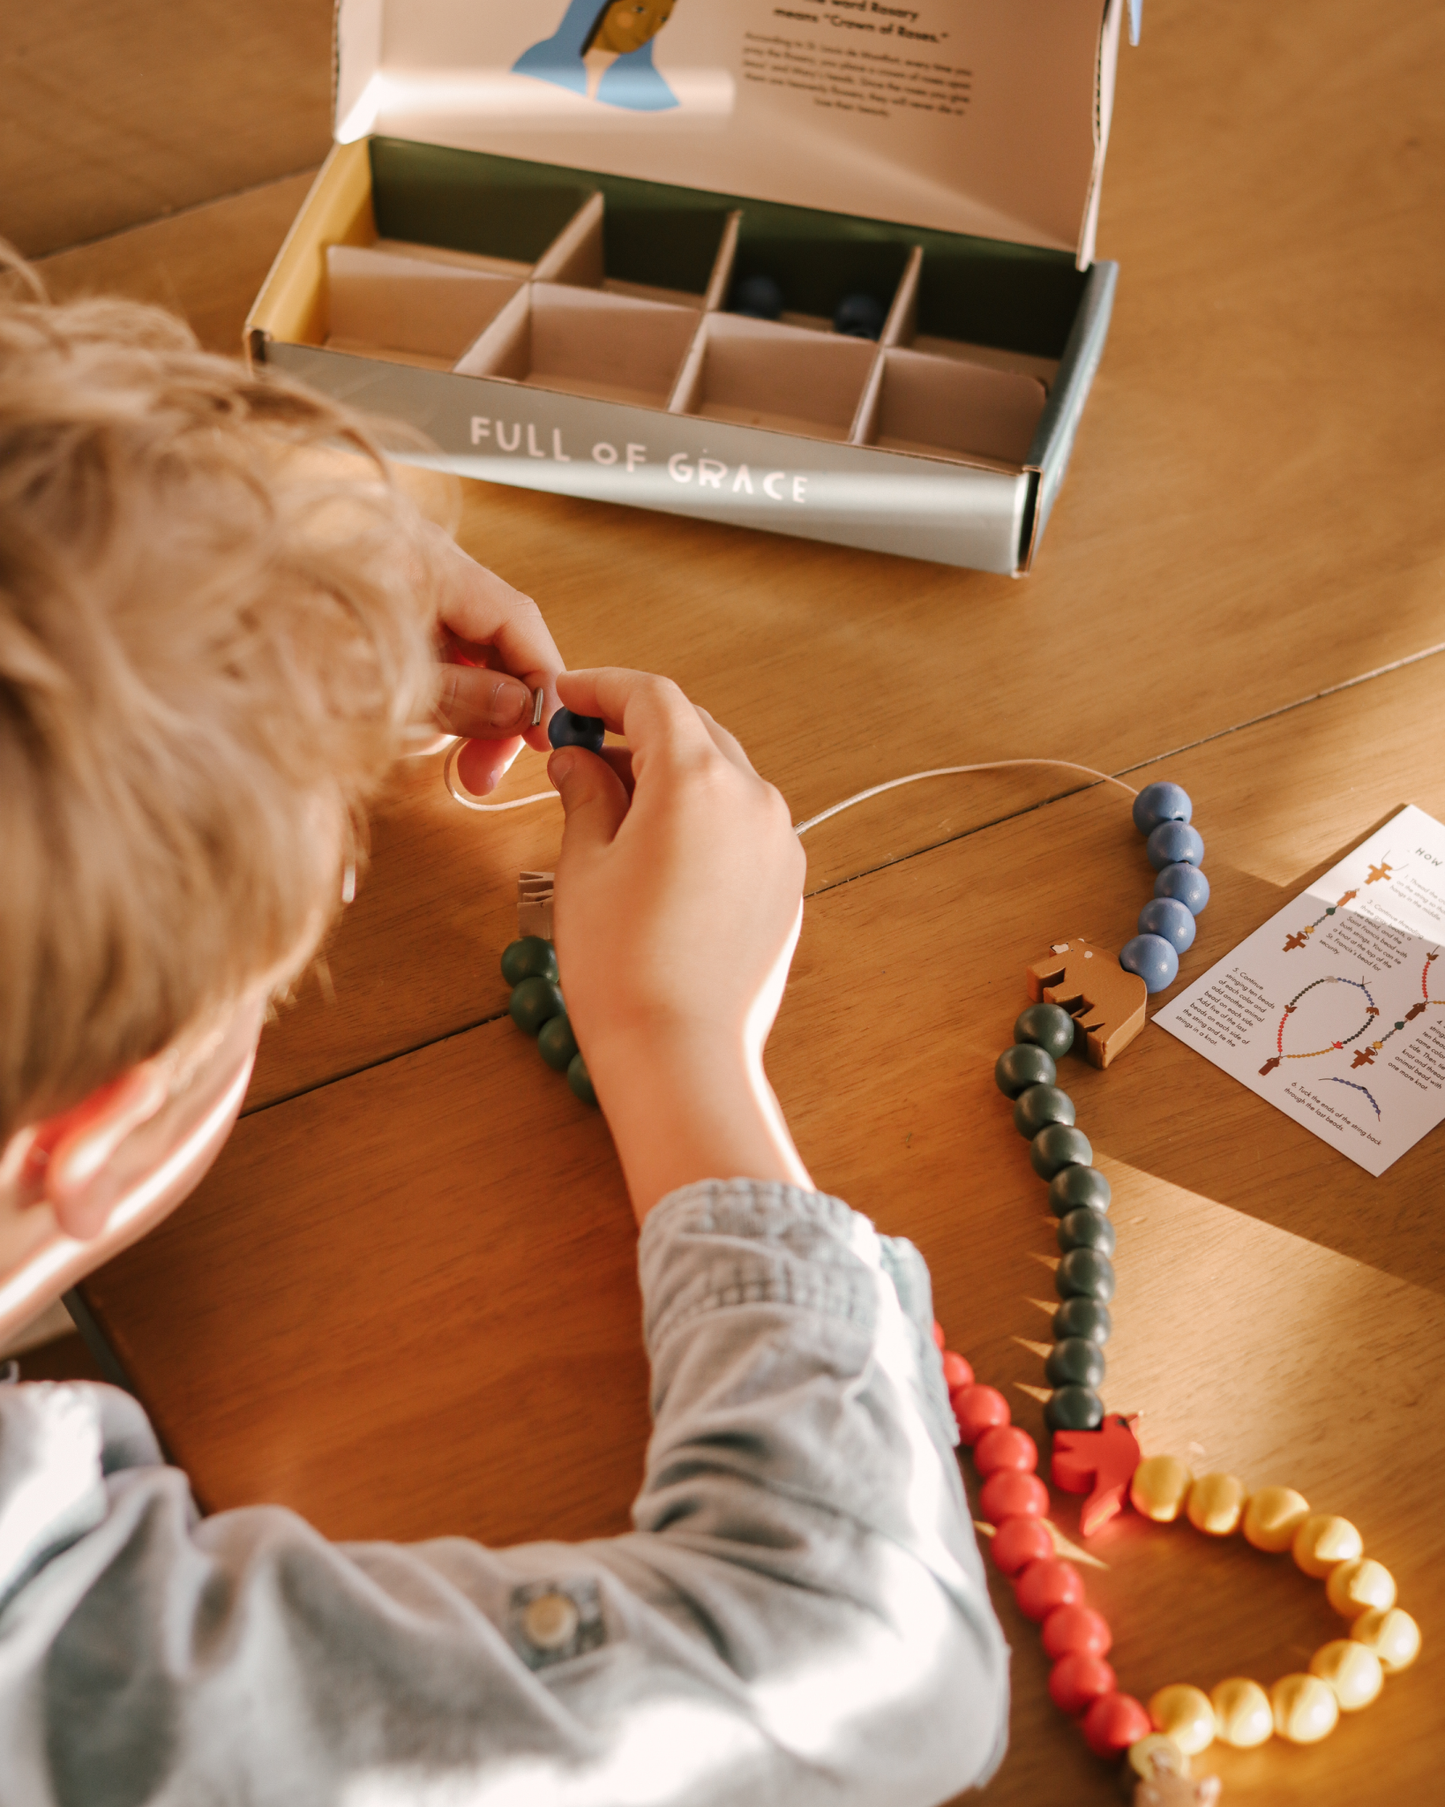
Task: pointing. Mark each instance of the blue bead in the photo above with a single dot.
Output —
(759, 296)
(567, 729)
(1186, 883)
(1174, 843)
(1153, 958)
(859, 317)
(1168, 917)
(1161, 802)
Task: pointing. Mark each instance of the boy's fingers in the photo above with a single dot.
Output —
(479, 607)
(593, 797)
(636, 703)
(481, 763)
(476, 701)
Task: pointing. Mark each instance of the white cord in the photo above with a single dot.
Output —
(946, 771)
(875, 790)
(449, 771)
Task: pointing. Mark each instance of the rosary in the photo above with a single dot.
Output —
(1084, 998)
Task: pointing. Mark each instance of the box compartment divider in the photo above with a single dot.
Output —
(575, 255)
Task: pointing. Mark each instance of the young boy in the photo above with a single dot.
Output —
(212, 645)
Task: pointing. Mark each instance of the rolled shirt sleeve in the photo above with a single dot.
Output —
(799, 1615)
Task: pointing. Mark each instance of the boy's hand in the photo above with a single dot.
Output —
(678, 904)
(496, 653)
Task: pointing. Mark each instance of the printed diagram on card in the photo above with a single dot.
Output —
(1331, 1010)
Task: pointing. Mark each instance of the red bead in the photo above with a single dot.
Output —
(1005, 1446)
(938, 1333)
(956, 1371)
(1009, 1494)
(1113, 1723)
(1078, 1680)
(1071, 1630)
(978, 1409)
(1046, 1584)
(1018, 1541)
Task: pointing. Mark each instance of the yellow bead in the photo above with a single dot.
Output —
(1351, 1669)
(1185, 1715)
(1243, 1716)
(1322, 1541)
(1216, 1504)
(1155, 1755)
(1272, 1517)
(1305, 1708)
(1159, 1487)
(1355, 1587)
(1392, 1634)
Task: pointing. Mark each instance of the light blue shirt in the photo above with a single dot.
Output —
(799, 1616)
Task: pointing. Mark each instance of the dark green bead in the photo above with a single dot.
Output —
(1021, 1066)
(1080, 1316)
(556, 1043)
(1047, 1027)
(534, 1002)
(1086, 1229)
(1058, 1146)
(1039, 1106)
(1076, 1186)
(529, 958)
(1085, 1271)
(1075, 1362)
(1074, 1409)
(580, 1080)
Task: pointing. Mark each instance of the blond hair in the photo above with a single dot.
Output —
(211, 648)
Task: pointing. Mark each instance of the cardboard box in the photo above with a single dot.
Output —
(490, 254)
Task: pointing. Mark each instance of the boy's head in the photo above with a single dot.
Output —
(213, 644)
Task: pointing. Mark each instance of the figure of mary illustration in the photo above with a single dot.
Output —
(613, 35)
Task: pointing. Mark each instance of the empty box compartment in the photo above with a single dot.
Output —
(586, 342)
(761, 374)
(423, 305)
(651, 253)
(943, 405)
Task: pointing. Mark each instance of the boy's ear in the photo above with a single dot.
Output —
(67, 1158)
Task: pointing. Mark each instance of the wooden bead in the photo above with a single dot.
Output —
(1352, 1670)
(535, 1001)
(1113, 1723)
(1046, 1026)
(1155, 1756)
(1076, 1629)
(1159, 1488)
(1243, 1716)
(1006, 1446)
(1078, 1680)
(1009, 1494)
(1020, 1541)
(1391, 1633)
(1184, 1714)
(1057, 1146)
(1216, 1504)
(1355, 1587)
(1305, 1708)
(957, 1373)
(580, 1080)
(529, 958)
(977, 1409)
(1272, 1517)
(1047, 1584)
(557, 1044)
(1082, 1272)
(1324, 1540)
(1021, 1066)
(1039, 1106)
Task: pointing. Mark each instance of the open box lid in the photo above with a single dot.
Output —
(987, 117)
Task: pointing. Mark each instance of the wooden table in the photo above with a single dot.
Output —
(404, 1301)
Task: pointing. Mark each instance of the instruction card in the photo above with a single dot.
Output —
(1328, 1010)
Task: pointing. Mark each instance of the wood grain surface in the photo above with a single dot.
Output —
(403, 1302)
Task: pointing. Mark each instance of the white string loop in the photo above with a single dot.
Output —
(874, 790)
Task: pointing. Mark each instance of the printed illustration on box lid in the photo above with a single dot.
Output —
(623, 29)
